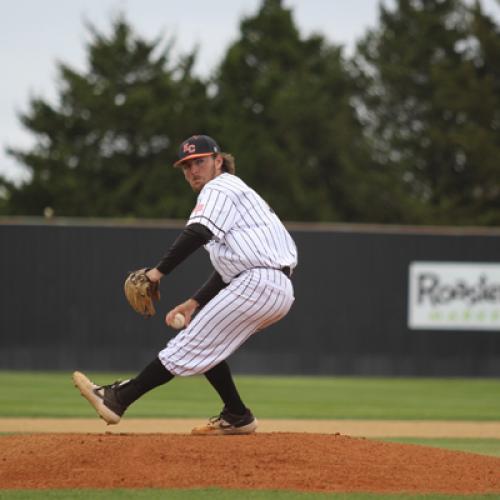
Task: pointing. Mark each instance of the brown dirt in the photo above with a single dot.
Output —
(292, 461)
(357, 428)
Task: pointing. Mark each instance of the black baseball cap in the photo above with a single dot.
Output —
(196, 146)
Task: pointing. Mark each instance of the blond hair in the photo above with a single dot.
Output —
(228, 163)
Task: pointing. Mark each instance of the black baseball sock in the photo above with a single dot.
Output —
(152, 376)
(222, 381)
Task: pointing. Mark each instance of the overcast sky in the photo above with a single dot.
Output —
(34, 34)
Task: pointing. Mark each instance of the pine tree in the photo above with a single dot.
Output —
(283, 105)
(107, 146)
(431, 98)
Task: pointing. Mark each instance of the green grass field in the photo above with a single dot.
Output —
(38, 394)
(33, 394)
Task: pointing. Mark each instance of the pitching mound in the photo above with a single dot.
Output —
(293, 461)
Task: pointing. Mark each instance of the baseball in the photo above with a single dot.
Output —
(179, 321)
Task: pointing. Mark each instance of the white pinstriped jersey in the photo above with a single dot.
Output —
(249, 248)
(247, 233)
(254, 300)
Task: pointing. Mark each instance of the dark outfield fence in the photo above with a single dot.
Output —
(62, 303)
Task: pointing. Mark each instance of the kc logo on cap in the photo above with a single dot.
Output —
(196, 146)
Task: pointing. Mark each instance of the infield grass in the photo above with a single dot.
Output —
(481, 446)
(51, 394)
(217, 494)
(41, 394)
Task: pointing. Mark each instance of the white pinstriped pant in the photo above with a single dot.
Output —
(254, 300)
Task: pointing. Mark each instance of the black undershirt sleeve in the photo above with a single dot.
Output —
(191, 238)
(210, 289)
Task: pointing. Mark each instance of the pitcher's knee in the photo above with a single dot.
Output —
(184, 368)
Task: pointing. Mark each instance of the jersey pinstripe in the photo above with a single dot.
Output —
(247, 233)
(249, 249)
(251, 302)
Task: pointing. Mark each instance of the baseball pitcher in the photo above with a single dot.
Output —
(253, 256)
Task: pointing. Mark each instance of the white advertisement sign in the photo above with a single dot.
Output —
(454, 295)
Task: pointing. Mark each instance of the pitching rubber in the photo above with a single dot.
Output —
(87, 390)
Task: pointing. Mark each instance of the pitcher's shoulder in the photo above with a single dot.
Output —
(228, 182)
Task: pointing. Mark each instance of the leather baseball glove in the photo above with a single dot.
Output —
(141, 292)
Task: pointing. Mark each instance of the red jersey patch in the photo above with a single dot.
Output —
(198, 208)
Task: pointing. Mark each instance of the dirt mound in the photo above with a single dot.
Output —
(359, 428)
(293, 461)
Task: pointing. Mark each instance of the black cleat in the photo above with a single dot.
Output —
(228, 423)
(102, 398)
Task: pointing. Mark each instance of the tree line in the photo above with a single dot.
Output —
(405, 130)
